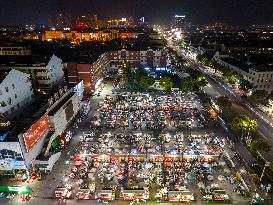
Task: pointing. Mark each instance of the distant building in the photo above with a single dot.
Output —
(14, 50)
(46, 73)
(118, 23)
(61, 20)
(93, 73)
(15, 92)
(179, 22)
(260, 76)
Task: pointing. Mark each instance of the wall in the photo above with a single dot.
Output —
(19, 92)
(58, 119)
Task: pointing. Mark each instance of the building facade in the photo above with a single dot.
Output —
(15, 93)
(93, 73)
(15, 50)
(45, 73)
(261, 76)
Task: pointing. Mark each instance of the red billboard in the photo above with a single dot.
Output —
(36, 132)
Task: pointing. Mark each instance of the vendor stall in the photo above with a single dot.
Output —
(106, 194)
(83, 194)
(220, 195)
(180, 196)
(134, 194)
(62, 193)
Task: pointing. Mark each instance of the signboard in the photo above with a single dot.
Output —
(11, 156)
(36, 132)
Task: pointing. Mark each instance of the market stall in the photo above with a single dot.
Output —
(132, 194)
(106, 194)
(184, 196)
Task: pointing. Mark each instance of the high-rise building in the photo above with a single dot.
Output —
(179, 22)
(60, 20)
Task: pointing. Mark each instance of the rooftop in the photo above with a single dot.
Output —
(21, 61)
(61, 103)
(263, 68)
(32, 114)
(237, 63)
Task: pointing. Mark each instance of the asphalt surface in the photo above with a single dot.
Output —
(264, 130)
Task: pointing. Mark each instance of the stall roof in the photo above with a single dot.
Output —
(181, 192)
(134, 190)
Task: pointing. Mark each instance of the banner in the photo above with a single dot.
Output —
(36, 132)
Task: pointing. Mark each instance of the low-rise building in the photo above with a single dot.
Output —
(14, 50)
(45, 72)
(15, 93)
(260, 76)
(93, 72)
(29, 145)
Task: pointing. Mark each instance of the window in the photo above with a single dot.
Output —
(13, 86)
(12, 109)
(18, 105)
(15, 96)
(9, 100)
(7, 89)
(0, 92)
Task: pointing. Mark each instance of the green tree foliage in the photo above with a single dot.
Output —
(232, 77)
(223, 102)
(166, 82)
(258, 95)
(245, 84)
(244, 124)
(186, 64)
(146, 82)
(260, 145)
(187, 84)
(201, 81)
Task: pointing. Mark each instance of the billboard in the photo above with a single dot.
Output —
(11, 156)
(36, 132)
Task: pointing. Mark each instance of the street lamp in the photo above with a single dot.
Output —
(266, 165)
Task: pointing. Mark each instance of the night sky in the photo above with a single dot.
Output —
(235, 12)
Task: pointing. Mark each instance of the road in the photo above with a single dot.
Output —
(264, 129)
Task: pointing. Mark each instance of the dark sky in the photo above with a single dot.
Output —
(156, 11)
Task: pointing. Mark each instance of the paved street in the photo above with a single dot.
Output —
(265, 130)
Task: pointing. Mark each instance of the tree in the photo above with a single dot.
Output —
(245, 84)
(232, 77)
(186, 64)
(260, 145)
(166, 82)
(244, 124)
(201, 81)
(223, 102)
(258, 95)
(187, 84)
(146, 82)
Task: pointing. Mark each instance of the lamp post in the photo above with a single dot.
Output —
(266, 165)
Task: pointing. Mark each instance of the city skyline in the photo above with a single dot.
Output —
(233, 12)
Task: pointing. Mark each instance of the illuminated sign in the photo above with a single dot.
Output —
(178, 16)
(36, 132)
